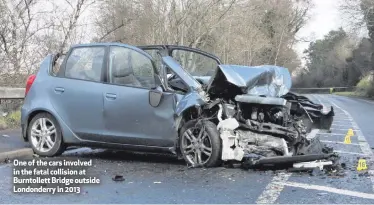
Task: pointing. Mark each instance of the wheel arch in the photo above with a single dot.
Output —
(30, 116)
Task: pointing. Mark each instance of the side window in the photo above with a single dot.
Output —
(129, 67)
(155, 56)
(85, 63)
(196, 64)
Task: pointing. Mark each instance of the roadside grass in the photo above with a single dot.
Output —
(351, 94)
(3, 124)
(355, 94)
(10, 121)
(364, 89)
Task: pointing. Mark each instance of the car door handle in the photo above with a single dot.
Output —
(59, 90)
(110, 96)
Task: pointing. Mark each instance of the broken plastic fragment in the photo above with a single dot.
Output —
(118, 178)
(230, 148)
(228, 124)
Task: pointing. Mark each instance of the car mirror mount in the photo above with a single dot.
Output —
(155, 96)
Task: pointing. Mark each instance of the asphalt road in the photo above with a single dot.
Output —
(11, 140)
(154, 178)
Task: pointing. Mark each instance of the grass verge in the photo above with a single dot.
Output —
(10, 121)
(353, 94)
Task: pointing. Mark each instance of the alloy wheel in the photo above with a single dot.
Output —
(43, 134)
(196, 145)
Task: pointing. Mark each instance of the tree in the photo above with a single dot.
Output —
(361, 13)
(265, 33)
(20, 22)
(249, 32)
(328, 61)
(31, 29)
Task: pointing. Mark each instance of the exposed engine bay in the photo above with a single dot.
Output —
(259, 120)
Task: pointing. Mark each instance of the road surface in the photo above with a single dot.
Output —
(151, 178)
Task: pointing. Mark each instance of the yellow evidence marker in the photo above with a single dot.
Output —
(361, 165)
(347, 139)
(350, 132)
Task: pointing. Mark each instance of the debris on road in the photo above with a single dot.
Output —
(157, 182)
(5, 135)
(118, 178)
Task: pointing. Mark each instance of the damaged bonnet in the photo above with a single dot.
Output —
(267, 80)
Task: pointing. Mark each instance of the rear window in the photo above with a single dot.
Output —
(85, 63)
(57, 65)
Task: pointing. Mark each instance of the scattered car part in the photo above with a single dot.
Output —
(118, 178)
(310, 112)
(314, 164)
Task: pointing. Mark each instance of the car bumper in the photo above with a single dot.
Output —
(24, 115)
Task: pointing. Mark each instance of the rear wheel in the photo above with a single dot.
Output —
(200, 143)
(45, 136)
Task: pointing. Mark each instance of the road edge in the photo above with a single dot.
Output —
(24, 152)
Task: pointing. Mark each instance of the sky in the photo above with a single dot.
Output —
(325, 16)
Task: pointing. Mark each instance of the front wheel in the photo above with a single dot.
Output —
(200, 143)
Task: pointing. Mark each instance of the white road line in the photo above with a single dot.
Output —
(344, 127)
(342, 121)
(336, 142)
(365, 147)
(273, 189)
(353, 153)
(349, 125)
(332, 134)
(367, 101)
(327, 189)
(354, 130)
(318, 100)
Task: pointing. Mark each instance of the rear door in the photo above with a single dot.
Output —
(129, 117)
(77, 91)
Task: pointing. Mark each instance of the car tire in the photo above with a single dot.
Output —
(210, 142)
(45, 127)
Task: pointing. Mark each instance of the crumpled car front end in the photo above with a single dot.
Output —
(261, 125)
(256, 122)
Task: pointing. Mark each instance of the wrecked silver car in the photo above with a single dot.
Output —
(119, 96)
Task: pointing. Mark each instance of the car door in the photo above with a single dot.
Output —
(129, 116)
(77, 91)
(201, 65)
